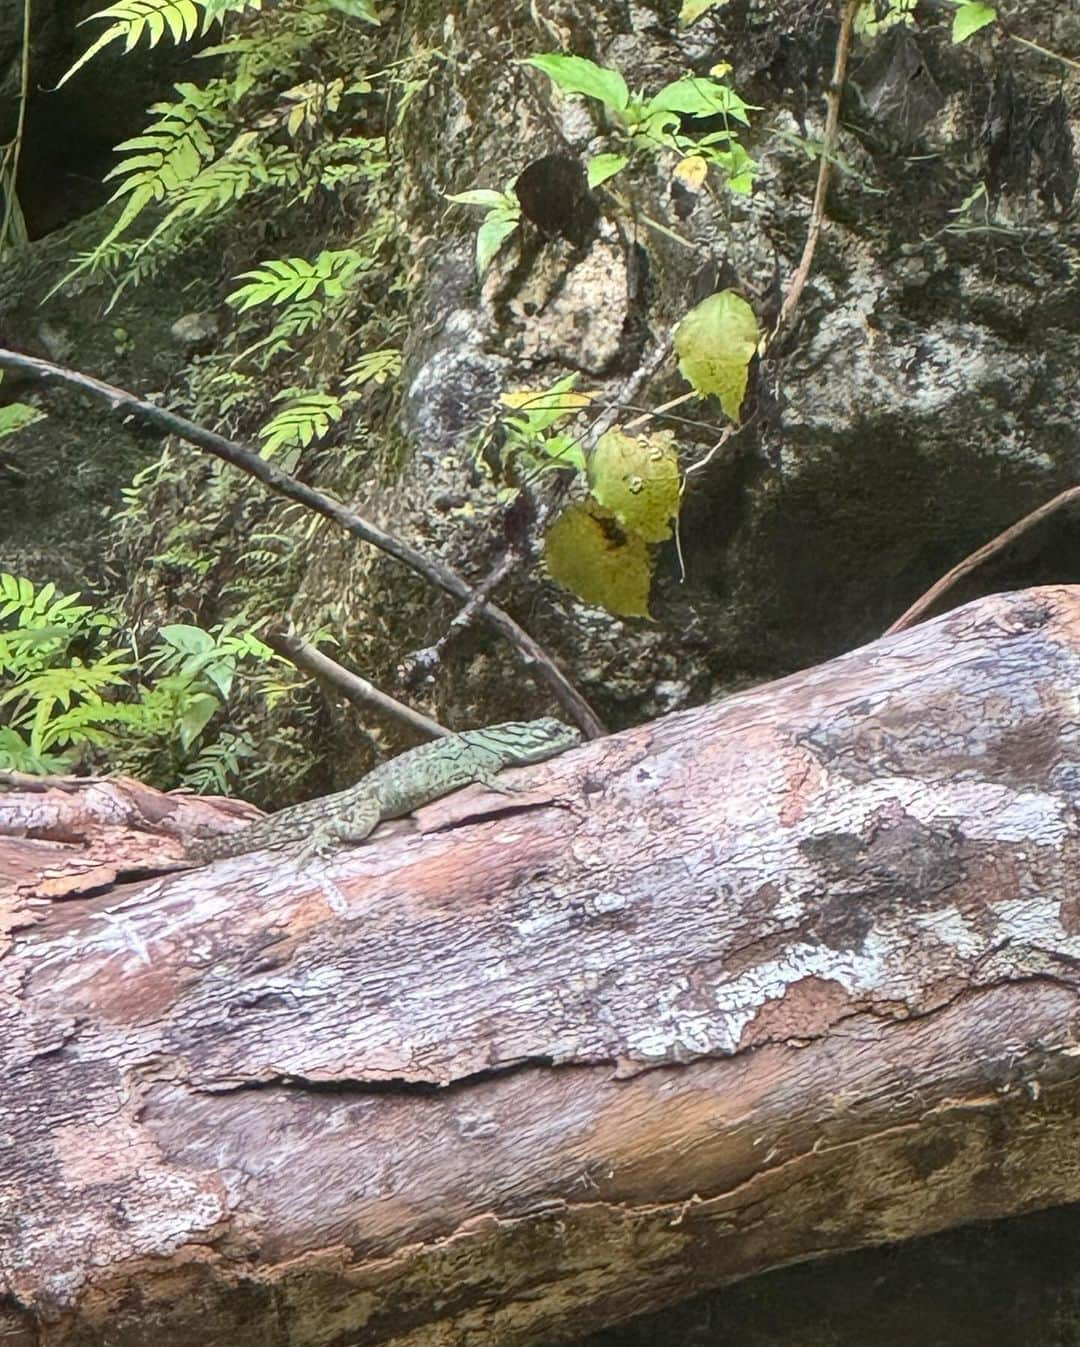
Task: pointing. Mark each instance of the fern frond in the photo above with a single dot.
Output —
(306, 418)
(218, 184)
(36, 698)
(287, 279)
(16, 755)
(307, 104)
(217, 763)
(89, 723)
(134, 19)
(33, 607)
(374, 367)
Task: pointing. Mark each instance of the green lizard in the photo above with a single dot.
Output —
(395, 788)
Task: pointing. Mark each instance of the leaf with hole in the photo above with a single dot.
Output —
(587, 553)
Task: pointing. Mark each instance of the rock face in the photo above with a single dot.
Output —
(925, 398)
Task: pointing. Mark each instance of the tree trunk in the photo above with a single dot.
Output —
(784, 975)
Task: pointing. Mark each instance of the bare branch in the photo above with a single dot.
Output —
(529, 651)
(422, 663)
(358, 690)
(974, 560)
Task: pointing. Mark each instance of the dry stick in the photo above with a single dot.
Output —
(976, 558)
(828, 147)
(358, 690)
(529, 651)
(629, 392)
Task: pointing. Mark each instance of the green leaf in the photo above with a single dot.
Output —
(659, 125)
(578, 75)
(196, 715)
(187, 639)
(715, 343)
(374, 367)
(357, 9)
(17, 416)
(969, 18)
(16, 755)
(490, 237)
(698, 97)
(543, 407)
(221, 672)
(737, 164)
(479, 196)
(604, 166)
(565, 451)
(305, 418)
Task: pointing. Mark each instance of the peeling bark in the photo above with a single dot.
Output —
(776, 977)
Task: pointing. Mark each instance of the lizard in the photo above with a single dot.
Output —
(395, 788)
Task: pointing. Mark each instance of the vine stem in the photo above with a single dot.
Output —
(1043, 51)
(828, 148)
(125, 404)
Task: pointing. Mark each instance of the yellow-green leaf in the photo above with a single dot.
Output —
(969, 18)
(589, 554)
(692, 171)
(693, 9)
(715, 343)
(603, 166)
(637, 478)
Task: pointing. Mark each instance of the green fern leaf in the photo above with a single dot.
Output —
(283, 280)
(374, 367)
(306, 418)
(16, 755)
(134, 18)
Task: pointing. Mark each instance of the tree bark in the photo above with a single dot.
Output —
(780, 976)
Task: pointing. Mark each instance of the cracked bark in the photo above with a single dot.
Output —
(781, 976)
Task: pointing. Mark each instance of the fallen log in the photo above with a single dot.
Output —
(785, 975)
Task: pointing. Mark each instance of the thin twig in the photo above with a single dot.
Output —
(659, 411)
(627, 393)
(976, 558)
(358, 690)
(122, 402)
(424, 662)
(1044, 51)
(704, 462)
(828, 147)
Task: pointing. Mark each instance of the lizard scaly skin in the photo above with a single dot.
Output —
(395, 788)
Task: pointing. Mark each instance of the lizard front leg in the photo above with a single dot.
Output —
(343, 828)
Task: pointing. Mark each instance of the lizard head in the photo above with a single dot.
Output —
(533, 740)
(557, 733)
